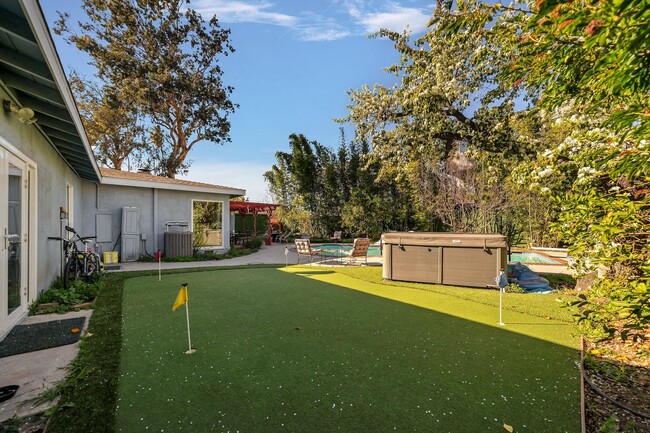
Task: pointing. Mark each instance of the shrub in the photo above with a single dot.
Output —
(514, 288)
(65, 299)
(254, 243)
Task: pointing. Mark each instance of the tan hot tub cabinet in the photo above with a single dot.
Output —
(457, 259)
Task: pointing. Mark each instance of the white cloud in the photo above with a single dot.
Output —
(235, 11)
(315, 27)
(248, 176)
(394, 17)
(323, 34)
(311, 26)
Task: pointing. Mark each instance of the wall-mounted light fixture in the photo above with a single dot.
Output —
(25, 115)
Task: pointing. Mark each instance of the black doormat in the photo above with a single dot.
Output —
(39, 336)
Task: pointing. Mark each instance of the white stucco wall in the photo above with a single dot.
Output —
(52, 174)
(157, 206)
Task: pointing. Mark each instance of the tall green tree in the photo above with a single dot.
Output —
(449, 91)
(323, 190)
(161, 56)
(451, 102)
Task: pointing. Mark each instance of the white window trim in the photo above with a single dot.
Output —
(32, 269)
(223, 232)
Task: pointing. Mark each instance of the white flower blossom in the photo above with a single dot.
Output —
(546, 172)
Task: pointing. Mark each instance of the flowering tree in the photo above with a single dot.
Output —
(589, 62)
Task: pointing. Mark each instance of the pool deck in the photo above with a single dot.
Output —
(558, 255)
(267, 255)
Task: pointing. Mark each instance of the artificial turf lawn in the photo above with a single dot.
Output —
(283, 351)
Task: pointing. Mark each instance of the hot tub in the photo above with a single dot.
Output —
(457, 259)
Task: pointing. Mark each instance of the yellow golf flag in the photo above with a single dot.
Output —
(181, 298)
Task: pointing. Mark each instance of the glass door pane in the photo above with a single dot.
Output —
(13, 238)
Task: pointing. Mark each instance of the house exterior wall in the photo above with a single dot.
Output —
(157, 206)
(52, 174)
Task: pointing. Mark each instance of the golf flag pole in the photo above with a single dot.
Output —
(502, 282)
(159, 265)
(182, 299)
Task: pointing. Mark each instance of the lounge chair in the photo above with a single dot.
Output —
(337, 236)
(303, 248)
(359, 251)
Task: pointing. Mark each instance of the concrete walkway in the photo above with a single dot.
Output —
(268, 254)
(36, 371)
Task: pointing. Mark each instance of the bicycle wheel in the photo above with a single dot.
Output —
(72, 272)
(93, 268)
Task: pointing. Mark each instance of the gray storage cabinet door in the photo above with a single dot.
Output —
(130, 234)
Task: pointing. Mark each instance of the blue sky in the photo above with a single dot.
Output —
(294, 62)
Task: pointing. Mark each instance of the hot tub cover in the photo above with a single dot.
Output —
(428, 239)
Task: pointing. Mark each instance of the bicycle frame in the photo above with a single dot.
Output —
(79, 263)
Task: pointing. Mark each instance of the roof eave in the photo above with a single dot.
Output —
(42, 33)
(232, 192)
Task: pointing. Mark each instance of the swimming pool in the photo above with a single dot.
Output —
(373, 250)
(526, 257)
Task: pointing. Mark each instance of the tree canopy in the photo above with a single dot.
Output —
(163, 58)
(530, 120)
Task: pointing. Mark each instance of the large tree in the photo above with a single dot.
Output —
(449, 90)
(161, 56)
(112, 124)
(323, 190)
(451, 101)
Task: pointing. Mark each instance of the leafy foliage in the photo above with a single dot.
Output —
(589, 64)
(595, 53)
(66, 299)
(162, 57)
(112, 124)
(323, 191)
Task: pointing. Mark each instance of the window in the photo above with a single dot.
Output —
(207, 223)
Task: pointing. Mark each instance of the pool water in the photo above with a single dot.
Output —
(373, 250)
(532, 258)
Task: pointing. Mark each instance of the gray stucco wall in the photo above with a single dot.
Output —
(156, 207)
(52, 174)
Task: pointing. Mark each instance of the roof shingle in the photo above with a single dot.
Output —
(147, 177)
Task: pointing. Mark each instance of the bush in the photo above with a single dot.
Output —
(514, 288)
(254, 243)
(65, 299)
(200, 256)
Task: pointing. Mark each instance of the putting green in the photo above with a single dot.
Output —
(297, 350)
(554, 331)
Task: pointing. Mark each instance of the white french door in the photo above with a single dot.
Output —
(14, 245)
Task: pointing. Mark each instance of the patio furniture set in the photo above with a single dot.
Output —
(336, 254)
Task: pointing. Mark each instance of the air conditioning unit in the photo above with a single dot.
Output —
(178, 243)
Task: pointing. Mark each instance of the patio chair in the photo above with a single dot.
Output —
(359, 251)
(337, 236)
(303, 248)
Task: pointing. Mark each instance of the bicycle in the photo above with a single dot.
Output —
(85, 265)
